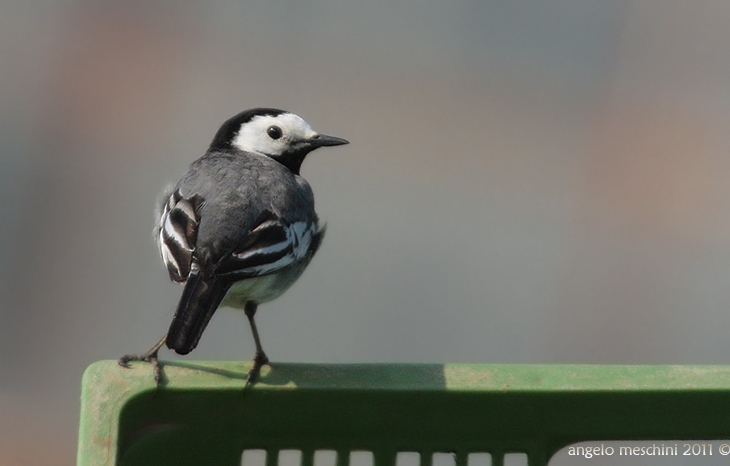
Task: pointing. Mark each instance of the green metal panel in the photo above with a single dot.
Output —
(203, 415)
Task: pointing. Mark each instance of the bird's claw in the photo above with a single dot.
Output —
(125, 360)
(150, 358)
(259, 361)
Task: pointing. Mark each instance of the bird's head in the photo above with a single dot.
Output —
(281, 135)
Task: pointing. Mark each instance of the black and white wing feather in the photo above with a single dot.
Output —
(271, 245)
(176, 232)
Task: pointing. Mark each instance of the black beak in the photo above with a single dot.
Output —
(322, 140)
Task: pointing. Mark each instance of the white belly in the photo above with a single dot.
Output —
(258, 289)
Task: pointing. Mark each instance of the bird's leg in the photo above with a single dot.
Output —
(260, 358)
(150, 356)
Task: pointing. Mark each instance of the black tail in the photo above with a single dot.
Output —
(199, 301)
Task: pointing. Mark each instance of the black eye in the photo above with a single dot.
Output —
(274, 132)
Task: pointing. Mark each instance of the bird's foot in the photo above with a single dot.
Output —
(259, 361)
(147, 357)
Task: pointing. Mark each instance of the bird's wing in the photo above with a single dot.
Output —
(177, 232)
(271, 245)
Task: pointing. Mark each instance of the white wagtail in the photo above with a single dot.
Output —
(240, 227)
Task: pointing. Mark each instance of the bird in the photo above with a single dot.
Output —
(240, 227)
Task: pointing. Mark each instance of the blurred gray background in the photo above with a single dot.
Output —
(528, 182)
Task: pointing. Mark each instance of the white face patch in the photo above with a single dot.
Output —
(253, 135)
